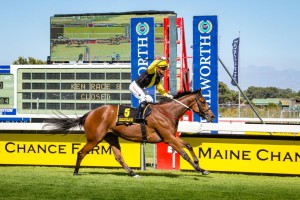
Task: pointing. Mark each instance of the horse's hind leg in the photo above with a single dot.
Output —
(82, 153)
(113, 141)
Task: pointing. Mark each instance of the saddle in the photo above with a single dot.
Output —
(127, 116)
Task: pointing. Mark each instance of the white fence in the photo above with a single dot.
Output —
(227, 126)
(196, 127)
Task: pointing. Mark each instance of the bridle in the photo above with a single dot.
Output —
(201, 112)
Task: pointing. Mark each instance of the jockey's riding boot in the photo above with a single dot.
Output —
(141, 109)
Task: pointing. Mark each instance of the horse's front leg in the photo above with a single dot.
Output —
(177, 146)
(190, 148)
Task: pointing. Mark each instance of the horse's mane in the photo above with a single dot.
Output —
(177, 96)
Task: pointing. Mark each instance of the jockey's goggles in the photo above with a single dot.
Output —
(163, 68)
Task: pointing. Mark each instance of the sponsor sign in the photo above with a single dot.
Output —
(4, 69)
(246, 155)
(205, 60)
(142, 50)
(49, 149)
(8, 111)
(235, 54)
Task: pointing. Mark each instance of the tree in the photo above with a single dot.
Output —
(227, 95)
(28, 61)
(269, 92)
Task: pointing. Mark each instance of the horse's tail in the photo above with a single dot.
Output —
(64, 124)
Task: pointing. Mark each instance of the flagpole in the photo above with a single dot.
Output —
(239, 76)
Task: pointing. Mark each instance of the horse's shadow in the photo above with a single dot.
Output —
(149, 174)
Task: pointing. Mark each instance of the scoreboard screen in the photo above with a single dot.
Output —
(72, 90)
(4, 100)
(6, 91)
(100, 37)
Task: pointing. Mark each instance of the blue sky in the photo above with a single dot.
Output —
(269, 30)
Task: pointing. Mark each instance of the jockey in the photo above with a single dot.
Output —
(152, 76)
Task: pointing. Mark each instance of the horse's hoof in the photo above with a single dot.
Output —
(136, 176)
(205, 172)
(76, 174)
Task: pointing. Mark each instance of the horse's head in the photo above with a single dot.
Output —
(202, 108)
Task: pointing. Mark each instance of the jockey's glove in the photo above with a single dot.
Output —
(169, 96)
(161, 58)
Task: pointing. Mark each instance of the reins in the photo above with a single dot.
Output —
(187, 107)
(182, 104)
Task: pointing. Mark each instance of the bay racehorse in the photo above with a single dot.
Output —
(100, 124)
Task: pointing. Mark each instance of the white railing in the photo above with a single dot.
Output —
(184, 126)
(196, 127)
(26, 126)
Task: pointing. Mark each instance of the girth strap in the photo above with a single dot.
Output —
(144, 134)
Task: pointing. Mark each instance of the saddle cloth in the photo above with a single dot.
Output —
(127, 115)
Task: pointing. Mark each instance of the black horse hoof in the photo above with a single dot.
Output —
(205, 172)
(134, 175)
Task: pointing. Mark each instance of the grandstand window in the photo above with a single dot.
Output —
(53, 95)
(67, 96)
(67, 106)
(115, 96)
(67, 76)
(82, 106)
(38, 85)
(52, 86)
(126, 76)
(55, 106)
(66, 86)
(26, 86)
(53, 76)
(82, 75)
(26, 105)
(26, 76)
(125, 86)
(38, 95)
(126, 96)
(26, 95)
(98, 76)
(112, 75)
(38, 75)
(41, 106)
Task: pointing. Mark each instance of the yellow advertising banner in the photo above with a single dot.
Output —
(272, 133)
(245, 155)
(61, 150)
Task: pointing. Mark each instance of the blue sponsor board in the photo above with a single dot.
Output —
(8, 111)
(205, 60)
(4, 69)
(14, 119)
(142, 50)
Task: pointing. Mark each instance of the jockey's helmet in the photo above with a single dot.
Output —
(162, 64)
